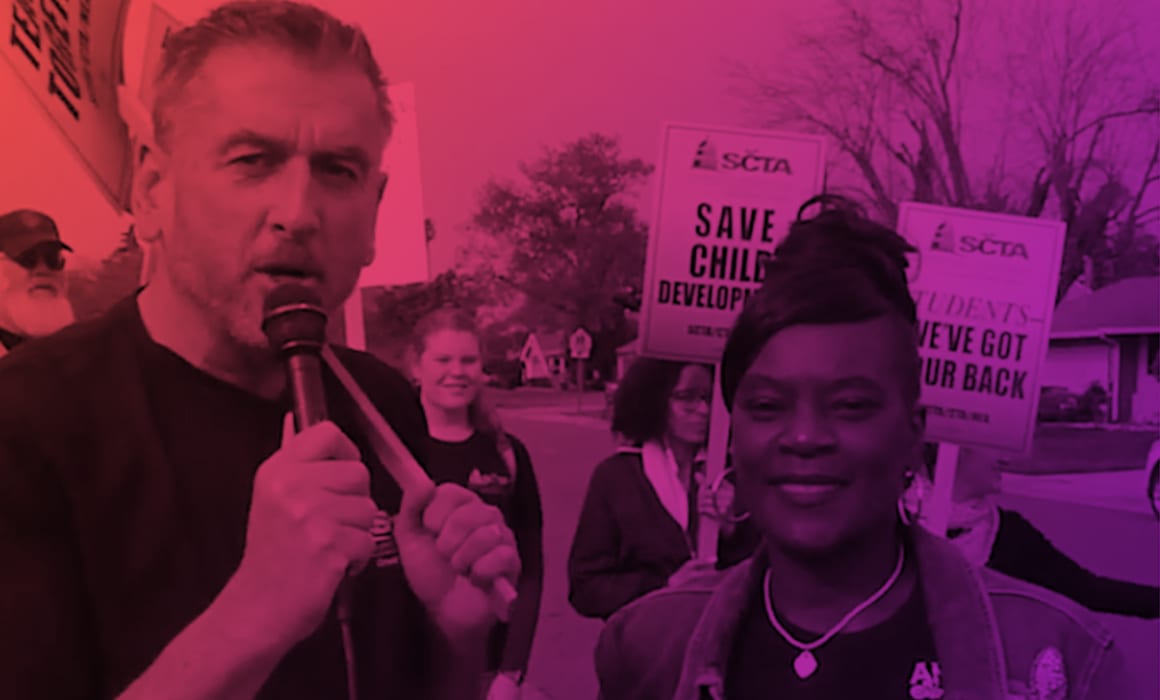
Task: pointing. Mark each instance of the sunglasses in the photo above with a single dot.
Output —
(52, 258)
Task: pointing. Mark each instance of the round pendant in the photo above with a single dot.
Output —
(805, 665)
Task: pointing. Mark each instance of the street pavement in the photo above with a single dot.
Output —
(563, 455)
(1100, 520)
(1119, 490)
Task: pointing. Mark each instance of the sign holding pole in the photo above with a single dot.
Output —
(725, 198)
(580, 348)
(985, 286)
(716, 456)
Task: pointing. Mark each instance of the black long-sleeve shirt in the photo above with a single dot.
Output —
(476, 464)
(1021, 551)
(626, 543)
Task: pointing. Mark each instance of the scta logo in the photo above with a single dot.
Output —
(705, 158)
(753, 162)
(945, 240)
(992, 246)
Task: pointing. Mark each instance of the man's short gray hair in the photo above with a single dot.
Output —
(301, 28)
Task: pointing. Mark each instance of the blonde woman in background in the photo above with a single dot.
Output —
(469, 447)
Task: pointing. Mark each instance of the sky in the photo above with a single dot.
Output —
(494, 84)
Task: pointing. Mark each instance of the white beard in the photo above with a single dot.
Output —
(37, 315)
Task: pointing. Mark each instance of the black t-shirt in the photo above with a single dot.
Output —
(9, 339)
(894, 660)
(125, 483)
(476, 463)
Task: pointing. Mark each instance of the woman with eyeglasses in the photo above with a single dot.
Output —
(844, 598)
(645, 504)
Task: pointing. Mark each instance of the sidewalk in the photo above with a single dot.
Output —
(1117, 490)
(589, 416)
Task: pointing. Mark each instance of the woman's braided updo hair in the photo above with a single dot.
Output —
(837, 267)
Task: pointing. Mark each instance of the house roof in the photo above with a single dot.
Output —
(1127, 307)
(630, 348)
(552, 343)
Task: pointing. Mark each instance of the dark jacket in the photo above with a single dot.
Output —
(988, 631)
(626, 543)
(1021, 551)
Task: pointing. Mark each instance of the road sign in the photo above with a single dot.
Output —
(580, 344)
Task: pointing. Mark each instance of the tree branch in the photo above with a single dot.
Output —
(1146, 183)
(1087, 162)
(1146, 109)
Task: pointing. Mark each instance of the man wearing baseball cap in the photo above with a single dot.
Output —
(33, 285)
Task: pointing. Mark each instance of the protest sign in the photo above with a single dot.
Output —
(985, 289)
(725, 197)
(68, 54)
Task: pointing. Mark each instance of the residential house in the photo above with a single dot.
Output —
(1110, 336)
(544, 357)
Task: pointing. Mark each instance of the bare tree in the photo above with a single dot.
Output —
(1038, 108)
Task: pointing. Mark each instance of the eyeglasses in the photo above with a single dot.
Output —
(51, 257)
(690, 399)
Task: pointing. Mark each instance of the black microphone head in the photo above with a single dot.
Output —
(294, 320)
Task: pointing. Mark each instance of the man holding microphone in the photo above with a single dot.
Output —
(163, 533)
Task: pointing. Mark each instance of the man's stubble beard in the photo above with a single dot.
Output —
(226, 308)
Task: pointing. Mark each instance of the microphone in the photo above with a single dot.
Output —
(295, 325)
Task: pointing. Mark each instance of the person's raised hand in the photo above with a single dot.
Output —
(310, 520)
(454, 548)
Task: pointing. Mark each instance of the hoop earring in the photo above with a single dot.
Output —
(715, 490)
(904, 513)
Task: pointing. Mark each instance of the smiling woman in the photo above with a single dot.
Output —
(844, 598)
(468, 446)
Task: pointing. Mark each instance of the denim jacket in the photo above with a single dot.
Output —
(996, 638)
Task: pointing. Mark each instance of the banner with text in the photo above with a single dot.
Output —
(68, 54)
(725, 197)
(985, 288)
